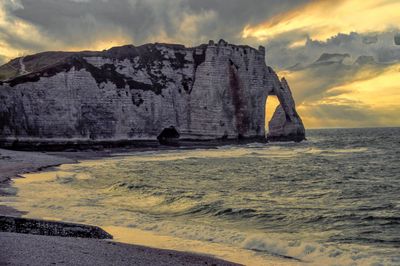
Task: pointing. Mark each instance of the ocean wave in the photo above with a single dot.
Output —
(312, 253)
(331, 200)
(244, 213)
(128, 186)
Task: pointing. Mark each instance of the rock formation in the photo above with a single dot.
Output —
(212, 91)
(286, 124)
(50, 228)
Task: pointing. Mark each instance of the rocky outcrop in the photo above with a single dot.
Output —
(286, 124)
(50, 228)
(212, 91)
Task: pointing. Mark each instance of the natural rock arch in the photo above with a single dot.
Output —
(285, 124)
(132, 93)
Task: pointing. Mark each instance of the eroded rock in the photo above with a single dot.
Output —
(286, 124)
(50, 228)
(212, 91)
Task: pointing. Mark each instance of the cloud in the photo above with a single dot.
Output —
(397, 39)
(100, 24)
(282, 55)
(347, 73)
(370, 39)
(377, 91)
(354, 40)
(3, 59)
(335, 94)
(344, 16)
(16, 36)
(316, 81)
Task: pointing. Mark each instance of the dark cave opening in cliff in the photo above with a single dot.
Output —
(168, 136)
(271, 103)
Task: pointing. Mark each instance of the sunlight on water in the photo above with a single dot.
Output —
(331, 200)
(231, 253)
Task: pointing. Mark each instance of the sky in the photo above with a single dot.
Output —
(341, 58)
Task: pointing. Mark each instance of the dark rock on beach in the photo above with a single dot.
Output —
(50, 228)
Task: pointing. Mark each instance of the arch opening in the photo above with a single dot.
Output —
(271, 103)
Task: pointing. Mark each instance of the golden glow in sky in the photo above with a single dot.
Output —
(373, 98)
(368, 97)
(376, 91)
(326, 96)
(271, 104)
(323, 19)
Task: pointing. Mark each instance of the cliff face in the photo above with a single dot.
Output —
(214, 91)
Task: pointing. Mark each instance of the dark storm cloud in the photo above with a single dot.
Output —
(100, 24)
(8, 36)
(141, 20)
(82, 22)
(234, 15)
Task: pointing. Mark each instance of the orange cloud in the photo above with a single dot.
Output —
(323, 19)
(376, 91)
(369, 98)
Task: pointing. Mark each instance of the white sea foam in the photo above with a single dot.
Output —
(292, 203)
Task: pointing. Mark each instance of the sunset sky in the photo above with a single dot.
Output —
(340, 57)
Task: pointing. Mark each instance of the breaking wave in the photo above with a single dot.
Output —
(332, 200)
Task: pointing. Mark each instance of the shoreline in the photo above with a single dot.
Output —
(66, 145)
(19, 247)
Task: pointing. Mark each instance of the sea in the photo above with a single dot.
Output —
(331, 200)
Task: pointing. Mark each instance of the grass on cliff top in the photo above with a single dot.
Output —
(32, 63)
(9, 70)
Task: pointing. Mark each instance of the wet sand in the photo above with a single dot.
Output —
(22, 249)
(27, 249)
(14, 163)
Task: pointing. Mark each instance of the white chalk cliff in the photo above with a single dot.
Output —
(213, 91)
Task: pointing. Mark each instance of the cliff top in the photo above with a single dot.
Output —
(45, 61)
